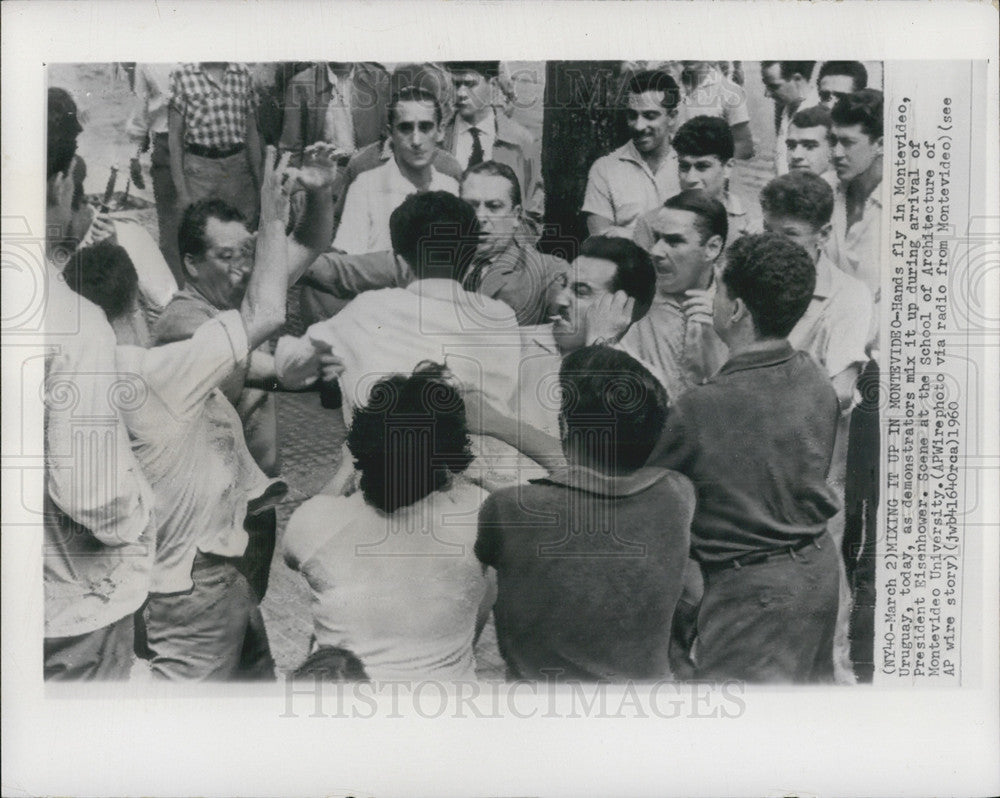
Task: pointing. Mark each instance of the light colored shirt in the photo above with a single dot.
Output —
(685, 354)
(780, 146)
(621, 187)
(189, 440)
(463, 138)
(152, 87)
(857, 249)
(99, 531)
(371, 199)
(834, 329)
(717, 96)
(401, 590)
(742, 218)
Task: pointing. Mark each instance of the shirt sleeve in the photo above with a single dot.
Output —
(346, 276)
(677, 446)
(137, 126)
(487, 546)
(597, 198)
(91, 474)
(849, 324)
(352, 233)
(176, 99)
(734, 103)
(184, 373)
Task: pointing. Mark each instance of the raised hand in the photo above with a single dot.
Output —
(275, 188)
(698, 306)
(608, 318)
(319, 167)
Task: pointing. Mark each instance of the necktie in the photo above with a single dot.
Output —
(477, 147)
(338, 127)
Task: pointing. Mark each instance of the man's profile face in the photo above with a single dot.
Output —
(414, 133)
(651, 125)
(223, 271)
(585, 282)
(681, 260)
(473, 93)
(490, 198)
(833, 87)
(808, 149)
(853, 151)
(783, 92)
(706, 172)
(798, 231)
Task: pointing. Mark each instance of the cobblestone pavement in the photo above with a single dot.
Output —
(311, 439)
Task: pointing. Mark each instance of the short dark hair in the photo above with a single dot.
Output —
(813, 116)
(488, 69)
(774, 277)
(800, 195)
(605, 390)
(712, 219)
(420, 76)
(860, 108)
(705, 135)
(63, 128)
(855, 70)
(634, 274)
(656, 80)
(791, 68)
(497, 169)
(417, 95)
(191, 230)
(409, 438)
(104, 274)
(436, 232)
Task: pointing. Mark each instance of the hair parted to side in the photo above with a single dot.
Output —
(104, 274)
(862, 108)
(488, 69)
(410, 437)
(497, 169)
(191, 231)
(813, 116)
(656, 80)
(635, 274)
(436, 232)
(790, 69)
(711, 217)
(414, 94)
(799, 195)
(855, 70)
(774, 277)
(705, 135)
(612, 408)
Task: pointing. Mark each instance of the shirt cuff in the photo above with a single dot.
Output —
(295, 362)
(232, 323)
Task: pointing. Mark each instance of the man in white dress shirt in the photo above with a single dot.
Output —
(788, 84)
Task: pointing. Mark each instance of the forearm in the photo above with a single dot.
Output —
(529, 441)
(175, 142)
(263, 308)
(313, 233)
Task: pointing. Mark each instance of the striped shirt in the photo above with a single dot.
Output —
(215, 115)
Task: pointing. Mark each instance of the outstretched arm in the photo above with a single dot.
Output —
(314, 231)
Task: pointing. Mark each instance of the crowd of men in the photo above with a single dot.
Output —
(653, 461)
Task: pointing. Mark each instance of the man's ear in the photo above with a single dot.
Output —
(824, 234)
(877, 143)
(714, 247)
(189, 268)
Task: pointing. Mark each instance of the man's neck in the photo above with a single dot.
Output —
(745, 341)
(655, 158)
(861, 187)
(420, 178)
(478, 117)
(702, 284)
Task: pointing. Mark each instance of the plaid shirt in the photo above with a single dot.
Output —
(214, 115)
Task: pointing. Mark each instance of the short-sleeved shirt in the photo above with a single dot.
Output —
(189, 441)
(400, 591)
(589, 571)
(621, 187)
(857, 249)
(834, 329)
(371, 199)
(152, 87)
(757, 441)
(215, 115)
(717, 96)
(743, 218)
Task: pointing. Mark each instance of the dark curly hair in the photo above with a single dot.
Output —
(104, 274)
(862, 108)
(436, 233)
(800, 195)
(410, 437)
(612, 408)
(191, 238)
(775, 277)
(705, 135)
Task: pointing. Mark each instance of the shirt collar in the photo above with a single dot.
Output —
(766, 353)
(824, 276)
(734, 206)
(589, 481)
(488, 126)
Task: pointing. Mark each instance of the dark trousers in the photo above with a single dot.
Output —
(255, 565)
(102, 655)
(773, 622)
(861, 494)
(167, 214)
(212, 632)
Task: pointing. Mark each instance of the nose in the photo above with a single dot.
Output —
(659, 249)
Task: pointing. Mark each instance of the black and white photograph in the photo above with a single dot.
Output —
(608, 388)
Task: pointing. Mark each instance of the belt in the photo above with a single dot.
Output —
(758, 557)
(213, 152)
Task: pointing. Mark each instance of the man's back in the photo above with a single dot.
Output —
(589, 571)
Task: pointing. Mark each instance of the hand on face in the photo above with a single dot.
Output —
(608, 319)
